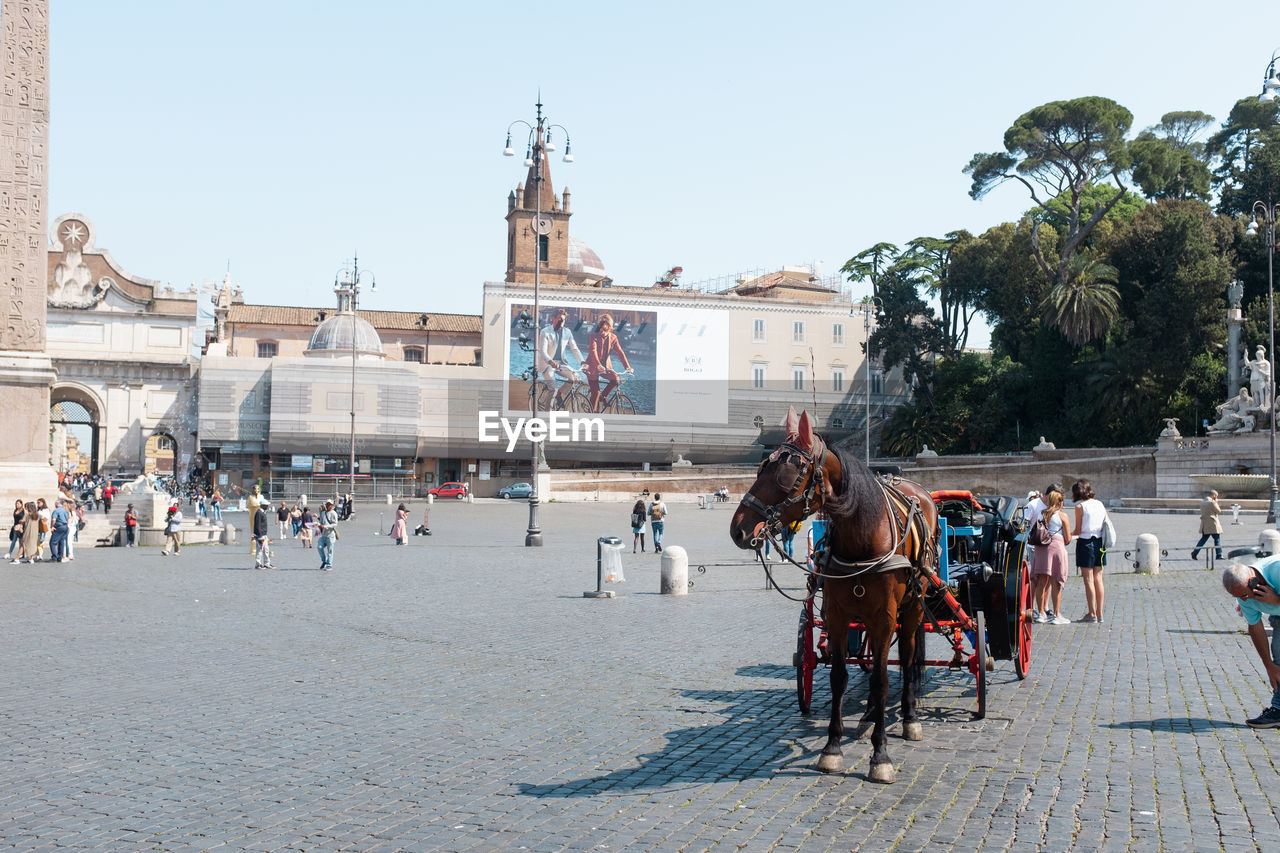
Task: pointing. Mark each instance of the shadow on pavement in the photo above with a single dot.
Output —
(1176, 724)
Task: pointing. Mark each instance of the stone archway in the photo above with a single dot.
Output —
(74, 430)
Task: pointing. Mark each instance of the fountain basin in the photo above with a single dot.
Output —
(1235, 485)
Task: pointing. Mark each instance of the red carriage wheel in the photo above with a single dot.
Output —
(1022, 633)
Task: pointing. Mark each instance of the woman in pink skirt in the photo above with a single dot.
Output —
(1049, 564)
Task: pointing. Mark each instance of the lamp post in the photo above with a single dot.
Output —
(869, 304)
(1267, 212)
(537, 146)
(346, 283)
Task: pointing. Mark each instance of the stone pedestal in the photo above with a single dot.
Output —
(25, 472)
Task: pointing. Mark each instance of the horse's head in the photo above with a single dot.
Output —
(789, 485)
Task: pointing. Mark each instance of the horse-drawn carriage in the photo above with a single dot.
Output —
(976, 601)
(893, 561)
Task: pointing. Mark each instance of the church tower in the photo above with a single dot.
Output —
(538, 224)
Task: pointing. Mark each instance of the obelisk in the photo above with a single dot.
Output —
(26, 372)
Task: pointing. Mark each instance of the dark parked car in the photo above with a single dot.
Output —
(450, 490)
(516, 490)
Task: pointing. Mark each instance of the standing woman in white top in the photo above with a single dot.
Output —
(1090, 558)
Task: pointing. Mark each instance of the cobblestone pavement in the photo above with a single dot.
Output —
(461, 694)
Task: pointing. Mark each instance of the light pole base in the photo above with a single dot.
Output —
(533, 540)
(598, 593)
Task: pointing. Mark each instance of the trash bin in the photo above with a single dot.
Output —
(608, 565)
(611, 559)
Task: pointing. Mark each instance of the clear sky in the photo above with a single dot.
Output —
(278, 136)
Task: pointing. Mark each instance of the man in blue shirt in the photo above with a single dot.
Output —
(60, 522)
(1255, 589)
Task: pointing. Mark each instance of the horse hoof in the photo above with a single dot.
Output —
(882, 773)
(833, 763)
(912, 731)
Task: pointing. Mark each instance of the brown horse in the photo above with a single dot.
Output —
(881, 535)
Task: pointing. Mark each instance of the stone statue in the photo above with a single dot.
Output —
(1260, 379)
(1235, 292)
(1170, 428)
(1235, 415)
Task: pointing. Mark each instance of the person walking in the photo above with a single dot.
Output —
(172, 528)
(282, 518)
(295, 519)
(15, 532)
(262, 537)
(30, 533)
(1210, 525)
(328, 523)
(1254, 587)
(657, 521)
(108, 494)
(637, 526)
(306, 528)
(1091, 559)
(216, 501)
(1049, 565)
(42, 524)
(80, 524)
(130, 527)
(59, 530)
(400, 527)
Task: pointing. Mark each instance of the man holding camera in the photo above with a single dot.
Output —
(1255, 588)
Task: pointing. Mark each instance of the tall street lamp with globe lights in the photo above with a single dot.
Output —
(539, 144)
(1266, 211)
(870, 305)
(346, 283)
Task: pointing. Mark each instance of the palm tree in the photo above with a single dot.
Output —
(1084, 301)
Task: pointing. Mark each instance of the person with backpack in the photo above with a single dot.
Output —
(637, 526)
(172, 526)
(657, 514)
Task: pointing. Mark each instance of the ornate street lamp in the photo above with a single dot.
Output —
(1267, 211)
(346, 283)
(536, 148)
(870, 305)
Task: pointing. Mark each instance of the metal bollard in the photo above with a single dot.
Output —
(600, 591)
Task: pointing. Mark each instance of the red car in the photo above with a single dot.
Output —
(450, 490)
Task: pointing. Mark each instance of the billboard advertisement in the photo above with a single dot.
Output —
(614, 360)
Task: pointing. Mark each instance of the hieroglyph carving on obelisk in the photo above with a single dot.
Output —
(24, 152)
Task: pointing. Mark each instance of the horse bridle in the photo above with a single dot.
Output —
(811, 465)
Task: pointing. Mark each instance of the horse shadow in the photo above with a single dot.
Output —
(763, 735)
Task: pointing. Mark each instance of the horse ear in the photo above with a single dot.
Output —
(792, 425)
(805, 441)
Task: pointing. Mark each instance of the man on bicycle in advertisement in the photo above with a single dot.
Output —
(555, 342)
(602, 344)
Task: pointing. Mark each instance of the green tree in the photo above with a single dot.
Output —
(1060, 149)
(1082, 305)
(870, 264)
(1246, 153)
(1169, 161)
(928, 261)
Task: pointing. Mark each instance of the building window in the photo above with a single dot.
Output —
(757, 376)
(837, 334)
(267, 349)
(413, 354)
(797, 332)
(837, 379)
(797, 378)
(757, 330)
(543, 244)
(877, 382)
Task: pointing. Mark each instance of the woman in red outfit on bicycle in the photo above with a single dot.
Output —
(602, 344)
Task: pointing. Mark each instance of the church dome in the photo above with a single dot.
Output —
(583, 259)
(332, 338)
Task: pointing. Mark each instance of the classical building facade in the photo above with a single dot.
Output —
(122, 347)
